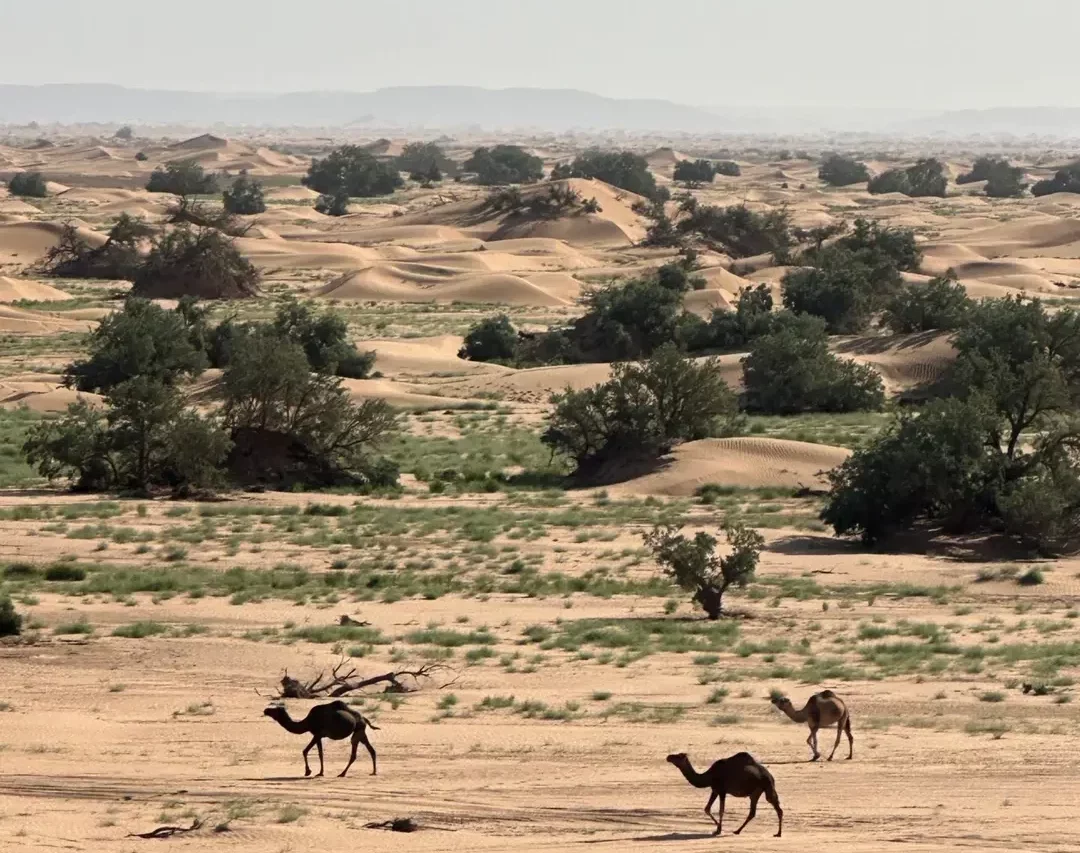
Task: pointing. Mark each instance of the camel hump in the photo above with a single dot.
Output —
(827, 694)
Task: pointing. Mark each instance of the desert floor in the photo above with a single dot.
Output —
(564, 669)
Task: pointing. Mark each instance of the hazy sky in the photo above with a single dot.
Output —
(902, 53)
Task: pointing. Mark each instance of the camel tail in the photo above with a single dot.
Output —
(370, 724)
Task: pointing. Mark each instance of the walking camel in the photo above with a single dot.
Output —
(335, 721)
(822, 710)
(740, 775)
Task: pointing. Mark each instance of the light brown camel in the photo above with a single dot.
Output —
(741, 775)
(335, 721)
(821, 711)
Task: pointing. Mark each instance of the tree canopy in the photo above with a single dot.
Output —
(839, 171)
(504, 164)
(353, 171)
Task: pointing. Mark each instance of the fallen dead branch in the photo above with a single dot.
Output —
(340, 682)
(398, 824)
(167, 831)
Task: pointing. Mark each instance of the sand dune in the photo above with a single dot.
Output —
(27, 242)
(399, 282)
(904, 361)
(398, 396)
(298, 193)
(739, 462)
(42, 399)
(16, 289)
(418, 356)
(22, 321)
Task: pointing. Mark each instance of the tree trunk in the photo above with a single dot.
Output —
(709, 598)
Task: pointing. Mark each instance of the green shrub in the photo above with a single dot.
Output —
(244, 197)
(640, 413)
(925, 178)
(1065, 180)
(623, 169)
(790, 370)
(65, 572)
(10, 620)
(727, 168)
(940, 303)
(183, 179)
(840, 171)
(333, 204)
(492, 339)
(28, 184)
(694, 172)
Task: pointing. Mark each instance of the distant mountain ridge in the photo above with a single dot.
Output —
(449, 107)
(401, 106)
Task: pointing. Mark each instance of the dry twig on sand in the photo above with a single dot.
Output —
(167, 831)
(398, 824)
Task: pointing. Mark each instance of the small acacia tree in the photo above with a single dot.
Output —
(505, 164)
(10, 621)
(492, 339)
(29, 184)
(354, 171)
(244, 197)
(694, 172)
(184, 178)
(840, 171)
(694, 565)
(630, 421)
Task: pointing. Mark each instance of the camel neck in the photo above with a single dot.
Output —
(291, 725)
(799, 716)
(693, 777)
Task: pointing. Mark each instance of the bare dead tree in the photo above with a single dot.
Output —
(340, 682)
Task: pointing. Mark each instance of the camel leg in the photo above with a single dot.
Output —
(812, 743)
(360, 737)
(720, 819)
(774, 801)
(839, 734)
(850, 739)
(753, 811)
(708, 806)
(307, 767)
(318, 744)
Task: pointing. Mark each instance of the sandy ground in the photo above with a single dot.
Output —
(102, 735)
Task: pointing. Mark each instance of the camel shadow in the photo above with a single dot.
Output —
(299, 778)
(675, 836)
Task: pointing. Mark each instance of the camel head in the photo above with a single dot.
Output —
(780, 700)
(276, 712)
(679, 759)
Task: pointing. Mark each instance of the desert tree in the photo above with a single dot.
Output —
(696, 567)
(504, 164)
(640, 413)
(694, 172)
(244, 197)
(183, 178)
(28, 184)
(354, 171)
(839, 171)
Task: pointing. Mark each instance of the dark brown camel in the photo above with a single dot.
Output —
(741, 775)
(335, 721)
(822, 710)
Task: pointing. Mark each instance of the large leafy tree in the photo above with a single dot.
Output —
(505, 164)
(623, 169)
(354, 171)
(640, 413)
(141, 341)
